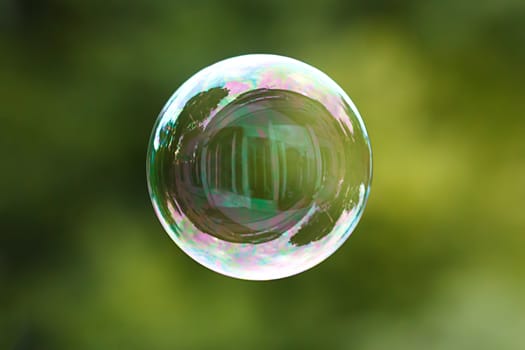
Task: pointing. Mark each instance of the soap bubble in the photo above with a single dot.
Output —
(259, 167)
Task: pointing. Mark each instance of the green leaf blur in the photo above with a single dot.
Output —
(436, 263)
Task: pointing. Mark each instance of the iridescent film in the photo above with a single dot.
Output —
(259, 167)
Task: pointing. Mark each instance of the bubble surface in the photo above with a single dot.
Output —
(259, 167)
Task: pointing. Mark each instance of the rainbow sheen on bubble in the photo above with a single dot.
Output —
(259, 167)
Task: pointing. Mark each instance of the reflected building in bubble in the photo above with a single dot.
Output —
(253, 179)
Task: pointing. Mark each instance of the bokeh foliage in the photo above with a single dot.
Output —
(437, 262)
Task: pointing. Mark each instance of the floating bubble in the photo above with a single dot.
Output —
(259, 167)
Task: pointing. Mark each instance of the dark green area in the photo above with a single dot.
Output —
(436, 263)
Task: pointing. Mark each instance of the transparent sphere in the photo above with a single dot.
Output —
(259, 167)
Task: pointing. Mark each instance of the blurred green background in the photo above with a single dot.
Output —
(437, 262)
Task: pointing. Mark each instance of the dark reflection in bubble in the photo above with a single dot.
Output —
(258, 166)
